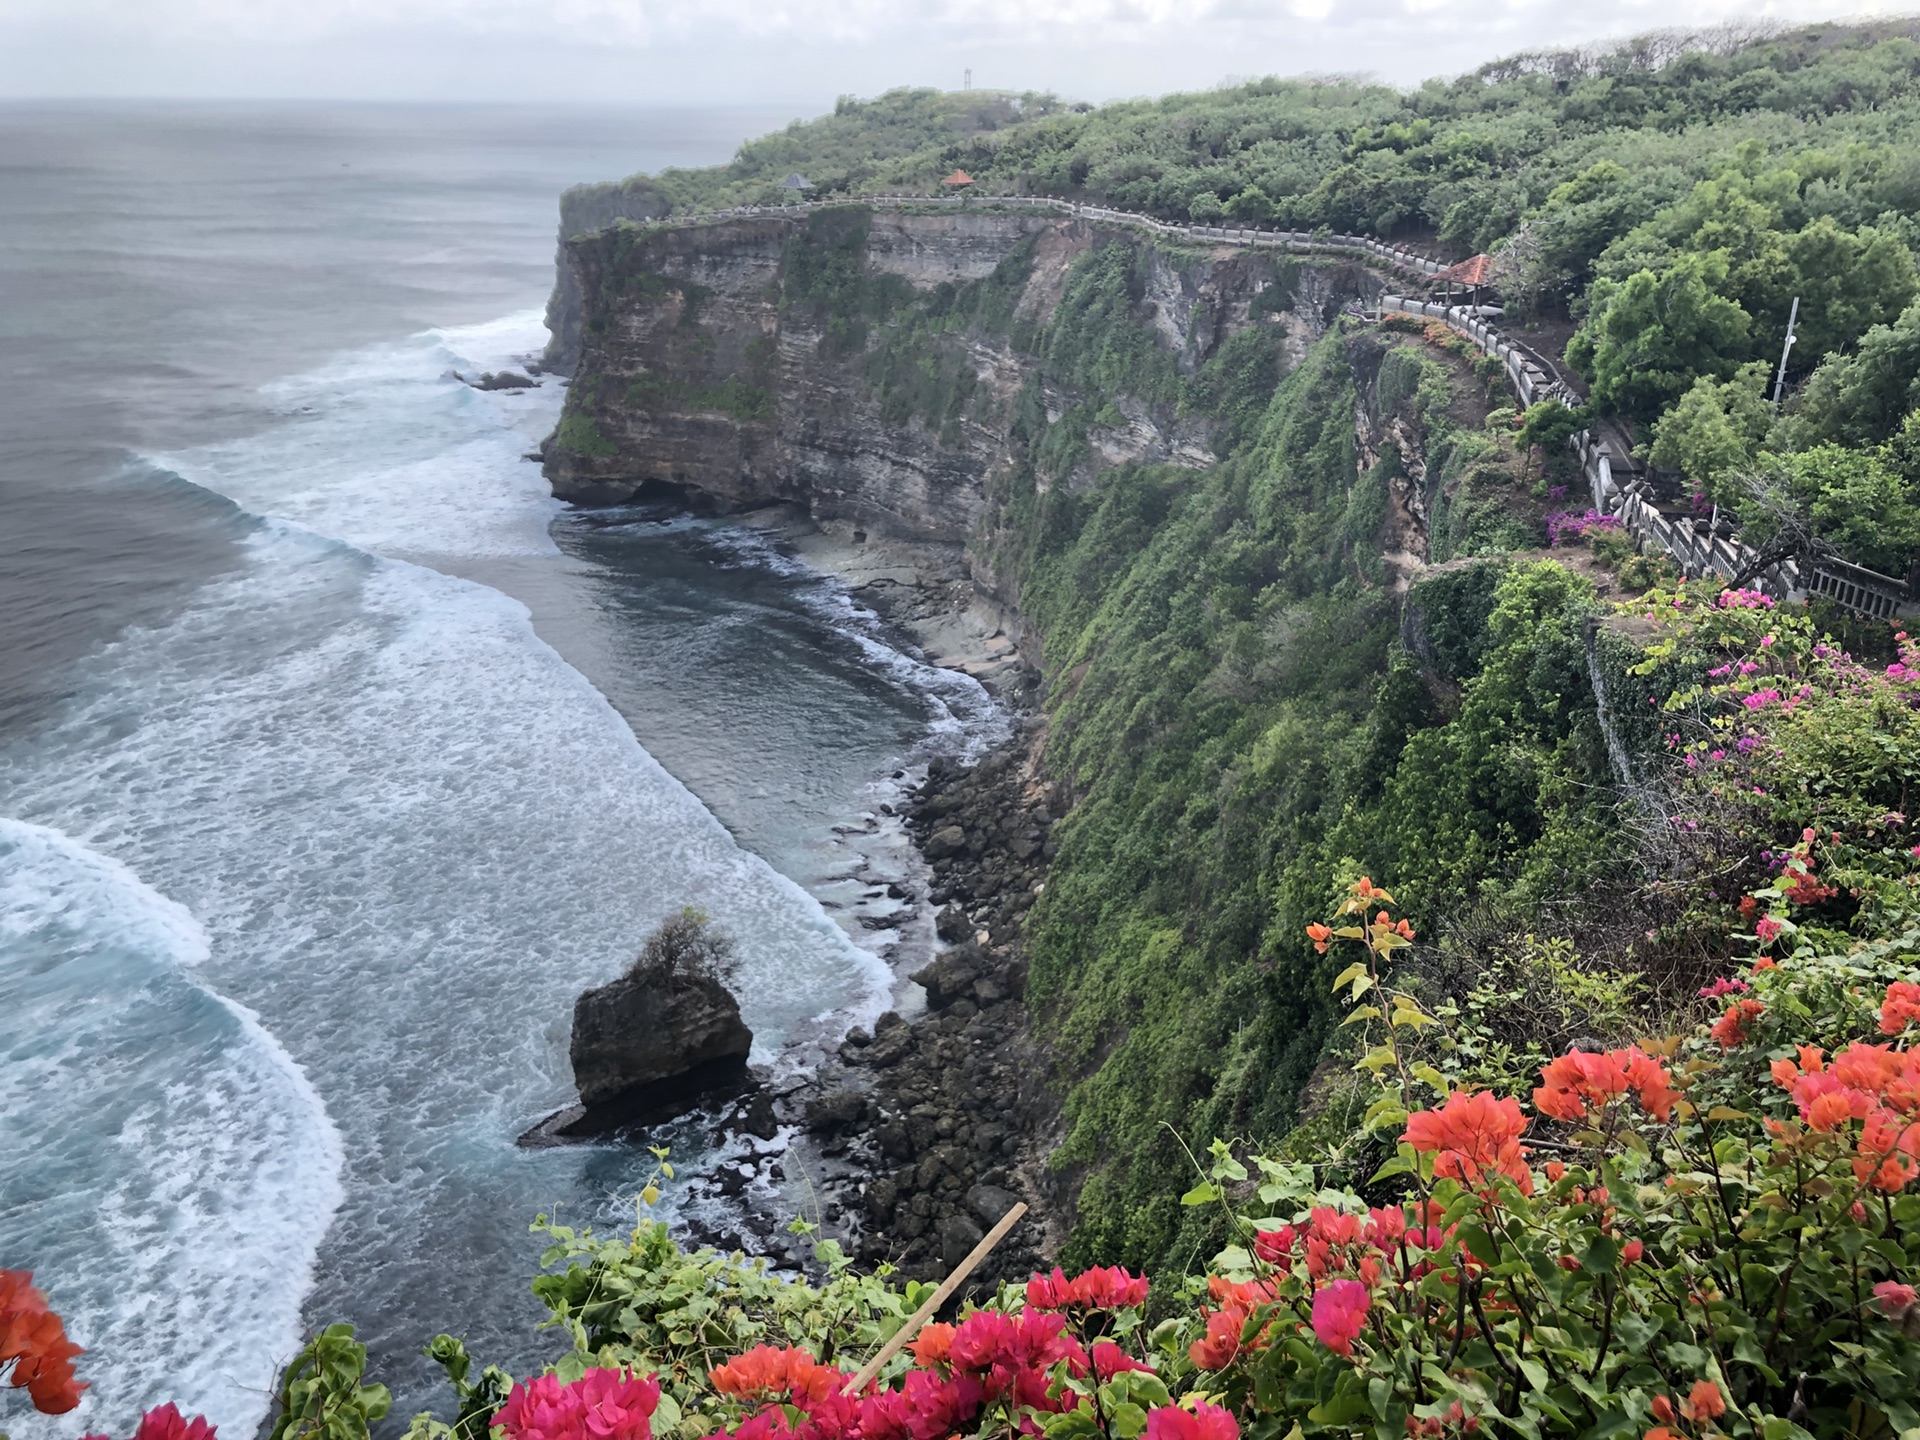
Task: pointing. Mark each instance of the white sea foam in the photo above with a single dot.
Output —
(170, 1168)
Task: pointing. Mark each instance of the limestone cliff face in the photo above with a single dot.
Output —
(583, 210)
(882, 368)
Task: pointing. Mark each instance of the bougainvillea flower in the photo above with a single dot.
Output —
(1472, 1137)
(1203, 1422)
(1579, 1083)
(600, 1405)
(1340, 1314)
(1895, 1299)
(1703, 1402)
(770, 1373)
(883, 1415)
(1730, 1030)
(1222, 1340)
(938, 1408)
(1901, 1007)
(165, 1422)
(1631, 1252)
(1885, 1159)
(32, 1337)
(1320, 935)
(1662, 1409)
(1101, 1288)
(1275, 1246)
(1110, 1360)
(1769, 928)
(931, 1345)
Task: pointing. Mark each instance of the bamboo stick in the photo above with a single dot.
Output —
(934, 1301)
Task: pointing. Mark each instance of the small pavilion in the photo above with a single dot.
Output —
(1471, 274)
(795, 182)
(957, 181)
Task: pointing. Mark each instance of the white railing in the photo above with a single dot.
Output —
(1700, 550)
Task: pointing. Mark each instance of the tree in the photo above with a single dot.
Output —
(1715, 430)
(687, 944)
(1252, 206)
(1862, 398)
(1648, 338)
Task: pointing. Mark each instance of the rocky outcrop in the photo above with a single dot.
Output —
(650, 1041)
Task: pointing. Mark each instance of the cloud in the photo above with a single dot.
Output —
(729, 51)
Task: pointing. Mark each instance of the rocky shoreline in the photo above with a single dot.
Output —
(947, 1120)
(913, 1138)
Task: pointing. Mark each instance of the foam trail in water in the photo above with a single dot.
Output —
(170, 1168)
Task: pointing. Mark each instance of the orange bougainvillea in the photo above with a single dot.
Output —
(765, 1372)
(34, 1340)
(1730, 1030)
(1577, 1085)
(1473, 1137)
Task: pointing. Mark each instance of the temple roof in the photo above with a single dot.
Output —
(1475, 271)
(958, 177)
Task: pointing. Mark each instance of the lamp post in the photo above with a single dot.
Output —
(1780, 378)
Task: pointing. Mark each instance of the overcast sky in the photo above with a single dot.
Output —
(786, 52)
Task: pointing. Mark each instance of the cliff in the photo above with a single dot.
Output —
(1203, 496)
(583, 210)
(888, 369)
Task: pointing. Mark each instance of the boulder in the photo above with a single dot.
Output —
(947, 841)
(951, 975)
(958, 1236)
(653, 1041)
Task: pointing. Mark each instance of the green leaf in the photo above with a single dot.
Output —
(1204, 1193)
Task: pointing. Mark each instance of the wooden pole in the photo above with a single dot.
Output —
(934, 1301)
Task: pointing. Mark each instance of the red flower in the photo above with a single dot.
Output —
(1096, 1289)
(32, 1337)
(1901, 1007)
(1730, 1030)
(1110, 1360)
(767, 1373)
(1631, 1252)
(1472, 1137)
(1320, 935)
(165, 1422)
(1222, 1341)
(1275, 1246)
(938, 1408)
(931, 1345)
(600, 1405)
(1340, 1314)
(1768, 928)
(1203, 1422)
(1662, 1409)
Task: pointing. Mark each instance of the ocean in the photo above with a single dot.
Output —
(336, 757)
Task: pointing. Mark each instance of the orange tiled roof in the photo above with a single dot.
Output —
(1476, 271)
(958, 177)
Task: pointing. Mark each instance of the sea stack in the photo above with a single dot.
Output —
(650, 1043)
